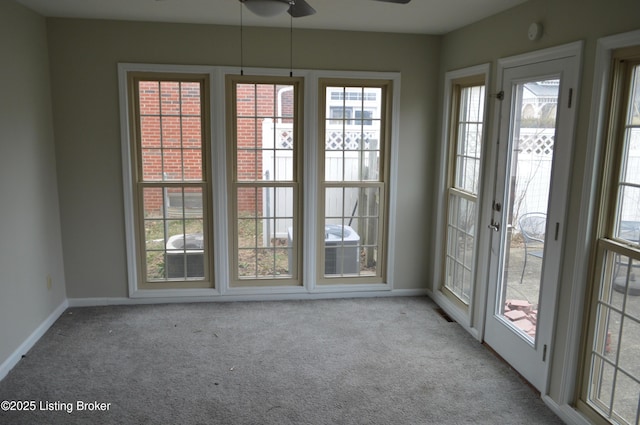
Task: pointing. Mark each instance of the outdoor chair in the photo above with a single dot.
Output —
(532, 227)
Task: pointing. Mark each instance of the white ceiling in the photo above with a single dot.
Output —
(419, 16)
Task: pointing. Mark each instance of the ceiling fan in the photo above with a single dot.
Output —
(295, 8)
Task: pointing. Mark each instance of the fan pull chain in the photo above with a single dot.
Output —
(241, 44)
(291, 3)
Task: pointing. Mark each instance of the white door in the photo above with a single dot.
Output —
(529, 205)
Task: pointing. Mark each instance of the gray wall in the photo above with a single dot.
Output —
(85, 94)
(30, 243)
(504, 35)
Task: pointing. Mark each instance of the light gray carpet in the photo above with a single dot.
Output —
(353, 361)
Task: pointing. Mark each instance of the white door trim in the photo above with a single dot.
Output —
(590, 184)
(571, 50)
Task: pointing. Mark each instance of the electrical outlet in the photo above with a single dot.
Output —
(49, 282)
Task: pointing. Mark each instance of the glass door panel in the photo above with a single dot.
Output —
(527, 187)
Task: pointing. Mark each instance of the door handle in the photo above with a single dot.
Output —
(495, 226)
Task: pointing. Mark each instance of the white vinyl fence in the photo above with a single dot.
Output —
(533, 157)
(277, 163)
(534, 162)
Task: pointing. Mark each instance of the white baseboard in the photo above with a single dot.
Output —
(462, 318)
(15, 357)
(565, 412)
(92, 302)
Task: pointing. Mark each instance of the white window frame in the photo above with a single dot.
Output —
(609, 246)
(136, 288)
(218, 163)
(386, 90)
(294, 184)
(563, 404)
(471, 316)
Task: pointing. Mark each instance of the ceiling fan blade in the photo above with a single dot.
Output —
(300, 9)
(395, 1)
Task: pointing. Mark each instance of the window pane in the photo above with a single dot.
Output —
(351, 166)
(171, 144)
(174, 231)
(190, 99)
(373, 100)
(150, 132)
(249, 165)
(460, 246)
(172, 164)
(472, 104)
(342, 250)
(192, 202)
(249, 202)
(171, 137)
(352, 127)
(247, 233)
(626, 400)
(155, 265)
(151, 164)
(192, 160)
(264, 147)
(334, 166)
(371, 140)
(268, 225)
(247, 129)
(369, 246)
(468, 174)
(265, 100)
(173, 215)
(247, 266)
(469, 138)
(169, 98)
(333, 203)
(465, 163)
(154, 202)
(149, 97)
(629, 340)
(628, 225)
(265, 132)
(353, 149)
(245, 100)
(633, 109)
(615, 374)
(370, 166)
(191, 132)
(351, 232)
(631, 159)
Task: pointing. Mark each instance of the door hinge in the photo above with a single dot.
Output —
(544, 353)
(500, 95)
(570, 98)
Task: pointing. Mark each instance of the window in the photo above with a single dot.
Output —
(264, 145)
(171, 179)
(353, 164)
(466, 129)
(611, 380)
(203, 172)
